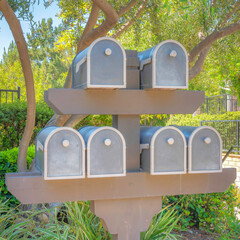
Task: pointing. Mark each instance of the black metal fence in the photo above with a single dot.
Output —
(229, 131)
(9, 95)
(220, 104)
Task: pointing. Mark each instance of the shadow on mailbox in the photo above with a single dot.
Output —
(164, 150)
(164, 66)
(101, 65)
(60, 153)
(106, 151)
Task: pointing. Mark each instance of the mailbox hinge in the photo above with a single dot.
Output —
(39, 146)
(80, 63)
(144, 146)
(145, 62)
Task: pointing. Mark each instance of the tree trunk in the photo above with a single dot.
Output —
(16, 29)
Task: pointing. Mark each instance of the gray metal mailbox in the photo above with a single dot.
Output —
(163, 150)
(101, 65)
(204, 149)
(60, 153)
(164, 66)
(106, 151)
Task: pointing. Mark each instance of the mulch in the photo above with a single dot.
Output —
(196, 234)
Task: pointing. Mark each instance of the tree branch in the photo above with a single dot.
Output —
(198, 66)
(131, 21)
(215, 35)
(111, 20)
(229, 15)
(125, 9)
(92, 20)
(74, 120)
(16, 29)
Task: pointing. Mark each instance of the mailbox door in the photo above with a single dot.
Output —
(65, 160)
(168, 152)
(107, 69)
(205, 151)
(106, 154)
(170, 71)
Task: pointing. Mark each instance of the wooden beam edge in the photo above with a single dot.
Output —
(78, 101)
(32, 188)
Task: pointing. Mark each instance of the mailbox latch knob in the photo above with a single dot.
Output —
(108, 51)
(170, 141)
(107, 142)
(173, 53)
(65, 143)
(207, 140)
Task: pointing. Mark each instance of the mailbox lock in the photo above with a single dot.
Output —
(207, 140)
(108, 51)
(65, 143)
(107, 142)
(173, 53)
(170, 141)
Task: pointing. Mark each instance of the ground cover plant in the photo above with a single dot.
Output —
(73, 220)
(212, 212)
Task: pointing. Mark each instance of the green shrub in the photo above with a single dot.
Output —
(95, 120)
(13, 119)
(73, 221)
(214, 212)
(190, 120)
(8, 163)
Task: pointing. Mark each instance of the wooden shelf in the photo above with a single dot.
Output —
(130, 102)
(32, 188)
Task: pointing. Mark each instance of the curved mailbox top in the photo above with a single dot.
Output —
(101, 65)
(204, 149)
(167, 150)
(149, 134)
(169, 66)
(106, 151)
(60, 153)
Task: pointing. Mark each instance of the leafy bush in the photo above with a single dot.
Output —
(214, 212)
(154, 120)
(162, 225)
(73, 221)
(95, 120)
(190, 120)
(8, 163)
(13, 119)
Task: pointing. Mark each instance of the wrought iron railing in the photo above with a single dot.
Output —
(229, 131)
(220, 104)
(8, 95)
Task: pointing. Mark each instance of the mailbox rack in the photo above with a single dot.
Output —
(125, 204)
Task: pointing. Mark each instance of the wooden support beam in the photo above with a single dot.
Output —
(32, 188)
(126, 102)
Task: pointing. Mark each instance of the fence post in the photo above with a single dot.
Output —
(18, 93)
